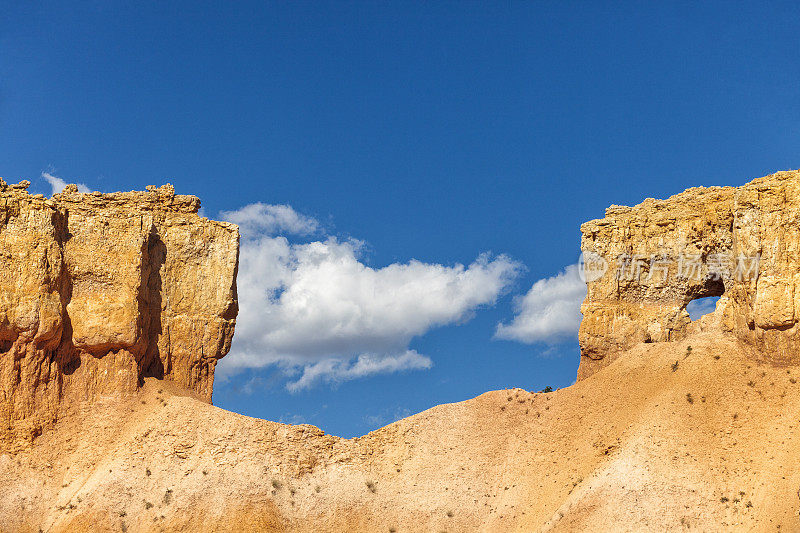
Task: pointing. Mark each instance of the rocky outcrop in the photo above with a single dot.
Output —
(134, 292)
(99, 291)
(644, 264)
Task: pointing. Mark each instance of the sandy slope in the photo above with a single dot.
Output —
(625, 450)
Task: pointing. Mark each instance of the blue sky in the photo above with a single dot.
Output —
(407, 139)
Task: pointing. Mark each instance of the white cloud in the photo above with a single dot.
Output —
(258, 218)
(549, 312)
(57, 184)
(337, 370)
(315, 309)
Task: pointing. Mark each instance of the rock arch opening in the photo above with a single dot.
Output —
(701, 307)
(703, 298)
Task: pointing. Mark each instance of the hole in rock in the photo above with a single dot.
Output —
(702, 306)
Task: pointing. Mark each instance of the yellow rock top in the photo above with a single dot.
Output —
(740, 243)
(99, 291)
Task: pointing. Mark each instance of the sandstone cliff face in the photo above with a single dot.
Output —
(740, 243)
(99, 291)
(128, 299)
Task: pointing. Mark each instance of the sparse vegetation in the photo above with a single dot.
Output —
(629, 406)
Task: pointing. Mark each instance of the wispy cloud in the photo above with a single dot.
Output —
(387, 416)
(293, 419)
(266, 219)
(316, 310)
(332, 370)
(57, 184)
(549, 312)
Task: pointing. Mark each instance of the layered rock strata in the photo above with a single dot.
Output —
(99, 291)
(645, 263)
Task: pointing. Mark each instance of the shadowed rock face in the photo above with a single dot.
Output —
(99, 291)
(740, 243)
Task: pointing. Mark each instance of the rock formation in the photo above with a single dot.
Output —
(114, 309)
(99, 291)
(646, 263)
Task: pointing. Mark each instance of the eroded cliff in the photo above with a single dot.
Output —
(99, 291)
(646, 263)
(128, 299)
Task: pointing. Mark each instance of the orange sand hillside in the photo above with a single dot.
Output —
(712, 445)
